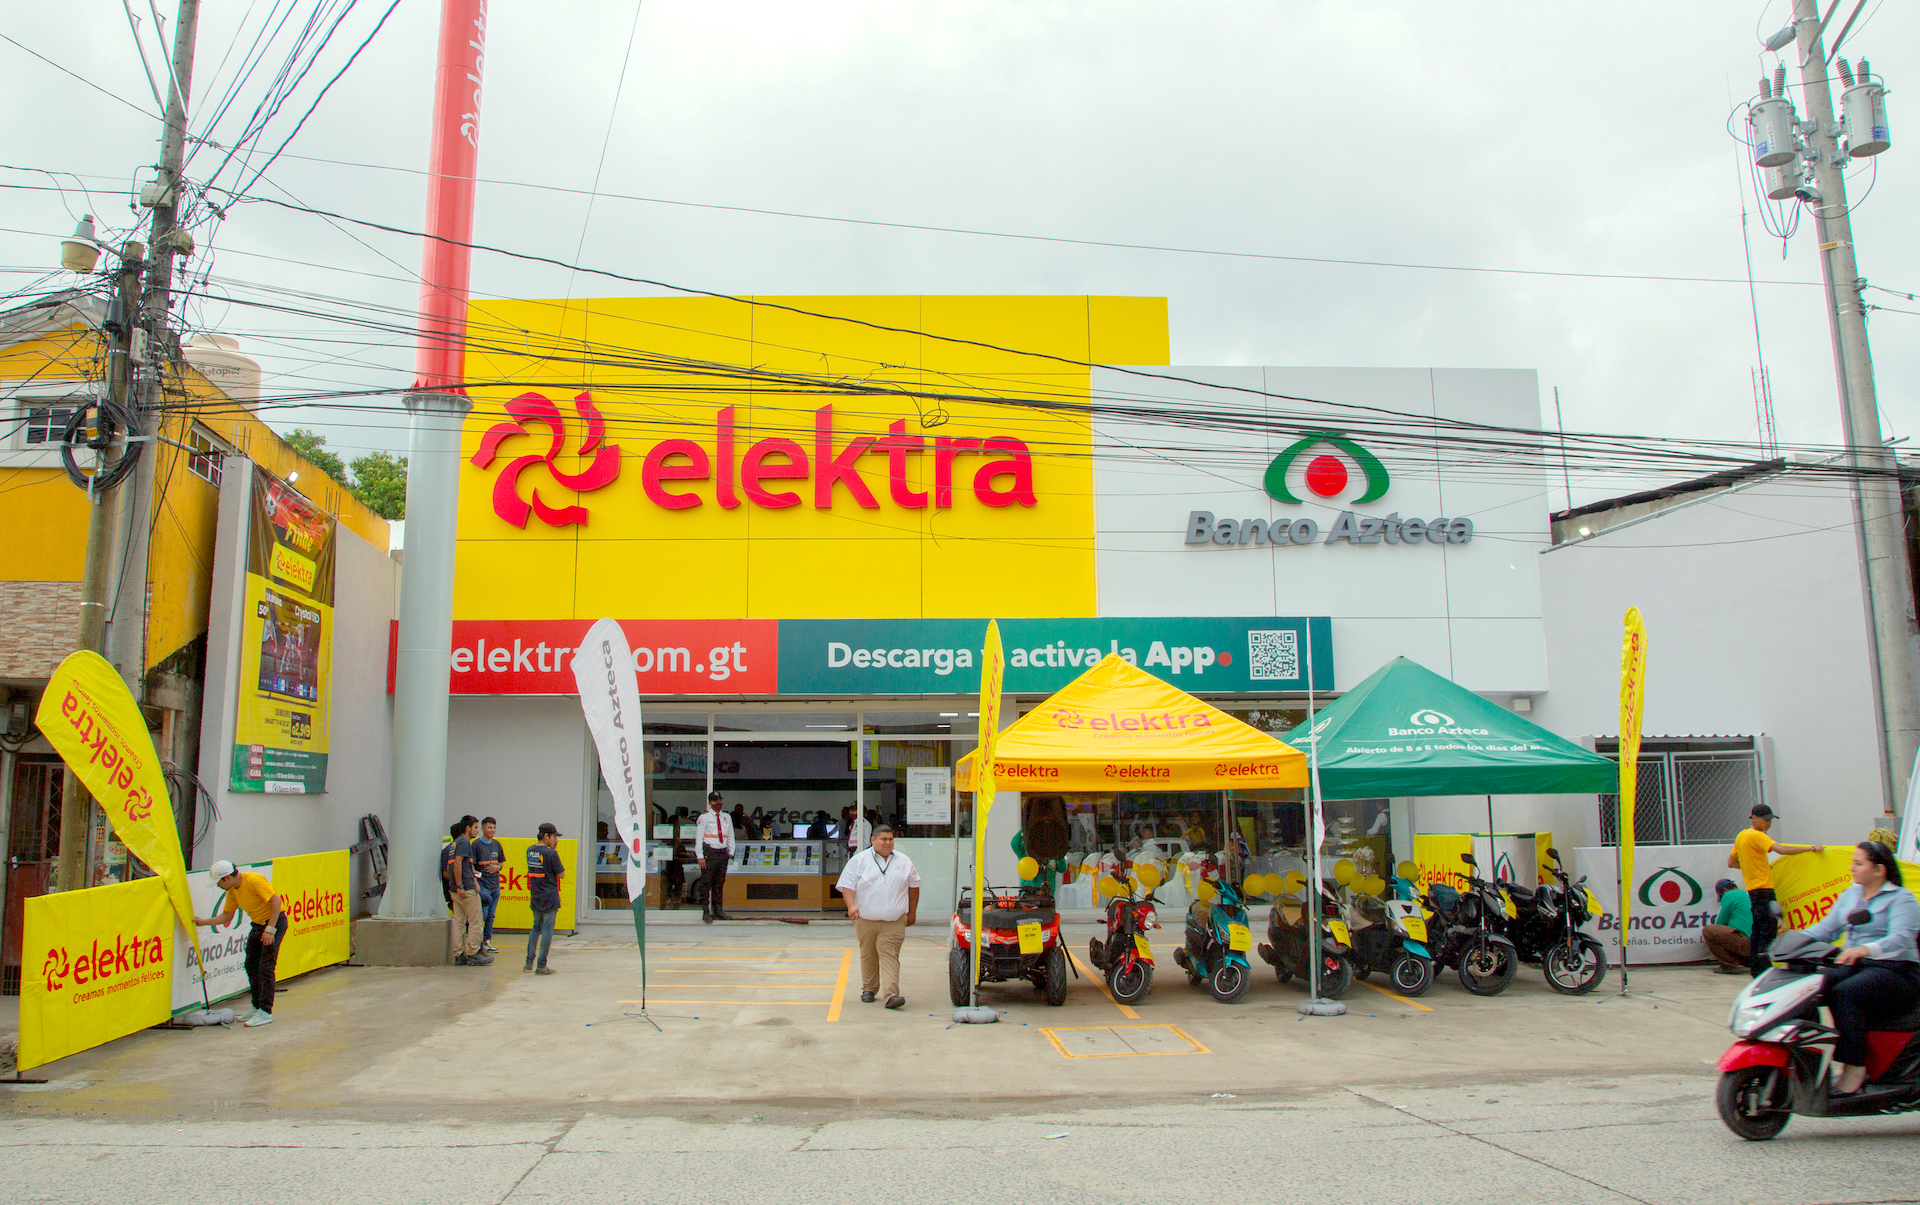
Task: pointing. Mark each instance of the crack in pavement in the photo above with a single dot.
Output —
(1537, 1162)
(546, 1149)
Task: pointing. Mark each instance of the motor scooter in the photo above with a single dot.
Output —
(1218, 938)
(1397, 944)
(1124, 955)
(1285, 949)
(1780, 1061)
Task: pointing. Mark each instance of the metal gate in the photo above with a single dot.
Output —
(1687, 796)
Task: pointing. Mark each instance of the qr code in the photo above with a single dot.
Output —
(1273, 656)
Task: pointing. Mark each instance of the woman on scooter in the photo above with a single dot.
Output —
(1878, 977)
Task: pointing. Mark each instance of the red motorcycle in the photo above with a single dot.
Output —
(1020, 939)
(1124, 956)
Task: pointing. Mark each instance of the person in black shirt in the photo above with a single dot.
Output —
(544, 872)
(488, 855)
(463, 885)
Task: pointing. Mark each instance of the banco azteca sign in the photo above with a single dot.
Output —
(1318, 463)
(735, 469)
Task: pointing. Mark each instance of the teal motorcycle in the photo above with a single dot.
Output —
(1218, 940)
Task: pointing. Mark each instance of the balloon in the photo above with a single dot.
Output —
(1257, 884)
(1343, 872)
(1207, 890)
(1407, 870)
(1149, 876)
(1293, 882)
(1028, 868)
(1373, 884)
(1110, 886)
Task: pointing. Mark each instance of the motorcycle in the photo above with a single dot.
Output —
(1471, 941)
(1545, 931)
(1397, 944)
(1218, 938)
(1125, 956)
(1780, 1060)
(1285, 949)
(1020, 939)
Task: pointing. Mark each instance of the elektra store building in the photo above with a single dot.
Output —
(805, 521)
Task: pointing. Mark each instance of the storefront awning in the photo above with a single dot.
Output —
(1118, 728)
(1408, 731)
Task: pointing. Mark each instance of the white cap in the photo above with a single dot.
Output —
(220, 870)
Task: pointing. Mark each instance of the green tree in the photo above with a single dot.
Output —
(313, 446)
(380, 481)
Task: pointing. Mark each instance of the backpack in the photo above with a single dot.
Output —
(446, 873)
(1043, 826)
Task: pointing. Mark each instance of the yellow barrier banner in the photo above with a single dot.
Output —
(90, 718)
(516, 909)
(94, 967)
(1438, 857)
(313, 890)
(1807, 884)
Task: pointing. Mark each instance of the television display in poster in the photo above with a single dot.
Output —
(286, 644)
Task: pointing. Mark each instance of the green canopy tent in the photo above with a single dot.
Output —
(1408, 731)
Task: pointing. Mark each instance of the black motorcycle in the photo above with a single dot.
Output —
(1546, 932)
(1470, 938)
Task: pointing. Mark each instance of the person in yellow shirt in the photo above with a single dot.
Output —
(1750, 850)
(254, 894)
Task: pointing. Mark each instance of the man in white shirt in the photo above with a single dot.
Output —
(882, 890)
(713, 847)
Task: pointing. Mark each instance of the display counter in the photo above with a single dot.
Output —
(779, 876)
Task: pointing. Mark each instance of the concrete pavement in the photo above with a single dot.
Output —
(767, 1072)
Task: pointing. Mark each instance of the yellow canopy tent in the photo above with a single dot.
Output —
(1118, 728)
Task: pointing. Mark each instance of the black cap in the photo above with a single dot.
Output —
(1724, 886)
(548, 829)
(1761, 809)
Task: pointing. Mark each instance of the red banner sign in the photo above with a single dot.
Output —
(671, 656)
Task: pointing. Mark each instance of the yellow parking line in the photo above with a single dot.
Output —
(1101, 980)
(840, 987)
(1396, 995)
(706, 959)
(734, 971)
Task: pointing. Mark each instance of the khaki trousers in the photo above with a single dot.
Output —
(1728, 945)
(880, 942)
(468, 923)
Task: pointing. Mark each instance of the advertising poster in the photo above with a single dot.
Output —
(286, 644)
(1673, 900)
(1807, 884)
(929, 795)
(224, 950)
(516, 909)
(94, 967)
(313, 890)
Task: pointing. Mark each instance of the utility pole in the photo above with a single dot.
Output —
(1878, 513)
(103, 512)
(141, 339)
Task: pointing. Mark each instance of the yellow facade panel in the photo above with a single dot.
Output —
(46, 541)
(503, 579)
(661, 579)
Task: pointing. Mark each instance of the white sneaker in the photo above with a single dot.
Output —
(259, 1018)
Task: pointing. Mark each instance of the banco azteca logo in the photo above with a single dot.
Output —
(1669, 884)
(56, 968)
(1427, 717)
(1326, 474)
(534, 408)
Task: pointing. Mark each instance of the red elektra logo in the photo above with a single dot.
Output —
(531, 408)
(97, 963)
(739, 472)
(56, 968)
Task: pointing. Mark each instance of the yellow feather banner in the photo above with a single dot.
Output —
(1633, 678)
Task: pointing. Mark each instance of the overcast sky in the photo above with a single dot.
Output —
(1549, 137)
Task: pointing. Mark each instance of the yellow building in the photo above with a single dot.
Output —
(53, 354)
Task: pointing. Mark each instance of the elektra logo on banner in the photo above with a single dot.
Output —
(1326, 475)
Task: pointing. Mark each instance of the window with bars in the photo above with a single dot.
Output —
(1686, 791)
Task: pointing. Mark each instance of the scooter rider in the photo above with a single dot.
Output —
(1878, 976)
